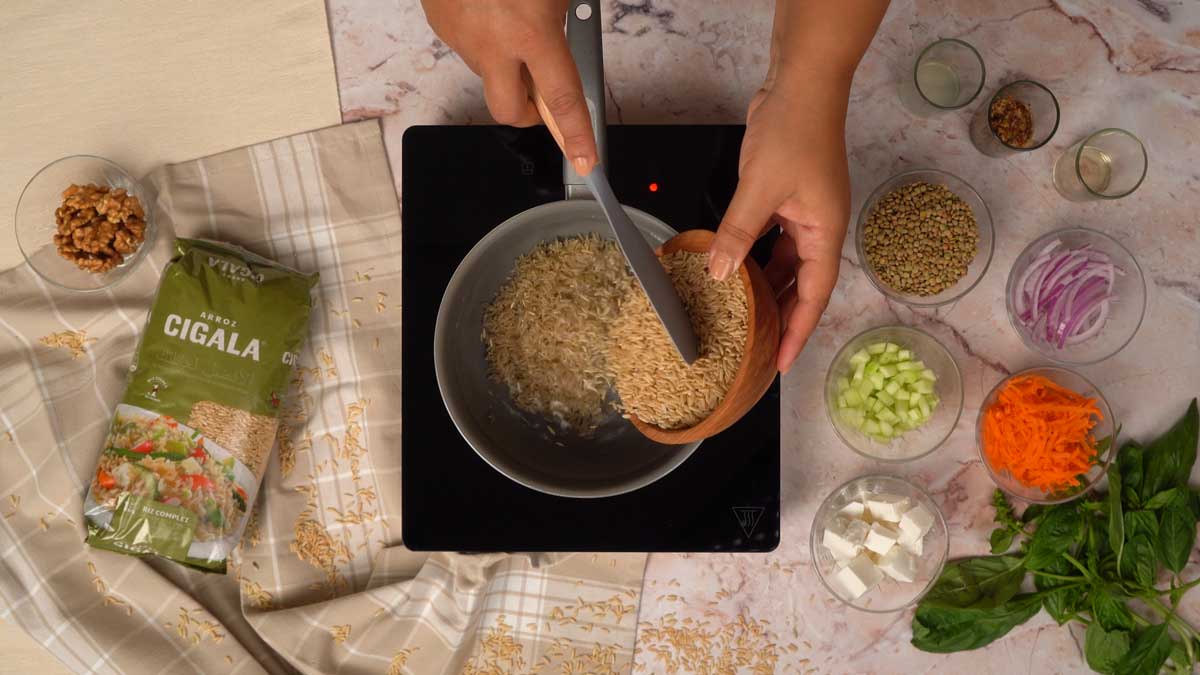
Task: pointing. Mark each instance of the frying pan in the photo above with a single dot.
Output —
(615, 458)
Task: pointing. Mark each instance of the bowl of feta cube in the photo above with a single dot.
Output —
(879, 543)
(893, 393)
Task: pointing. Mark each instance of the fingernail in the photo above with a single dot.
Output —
(582, 165)
(721, 265)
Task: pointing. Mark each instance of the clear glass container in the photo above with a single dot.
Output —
(983, 221)
(1126, 309)
(1044, 115)
(1108, 164)
(35, 225)
(1104, 432)
(946, 75)
(918, 442)
(890, 595)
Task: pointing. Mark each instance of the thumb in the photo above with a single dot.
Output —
(744, 221)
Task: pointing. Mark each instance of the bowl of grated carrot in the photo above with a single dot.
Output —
(1046, 434)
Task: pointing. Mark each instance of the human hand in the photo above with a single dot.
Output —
(792, 173)
(498, 40)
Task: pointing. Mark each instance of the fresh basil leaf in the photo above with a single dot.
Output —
(1147, 653)
(1131, 461)
(987, 581)
(1001, 539)
(1179, 659)
(1169, 459)
(942, 629)
(1110, 611)
(1061, 598)
(1176, 536)
(1104, 649)
(1172, 497)
(1116, 515)
(1141, 522)
(1140, 562)
(1032, 512)
(1195, 503)
(1054, 536)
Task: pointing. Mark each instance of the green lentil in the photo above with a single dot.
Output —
(920, 238)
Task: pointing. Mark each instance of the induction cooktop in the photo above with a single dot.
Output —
(458, 182)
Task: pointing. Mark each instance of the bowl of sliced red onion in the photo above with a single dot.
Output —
(1076, 296)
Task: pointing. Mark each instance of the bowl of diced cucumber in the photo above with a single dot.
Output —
(879, 543)
(893, 393)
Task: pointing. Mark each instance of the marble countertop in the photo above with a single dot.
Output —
(1125, 63)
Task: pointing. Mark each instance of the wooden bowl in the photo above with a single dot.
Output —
(757, 370)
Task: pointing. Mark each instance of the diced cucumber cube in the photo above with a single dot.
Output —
(843, 383)
(928, 374)
(877, 348)
(914, 415)
(871, 368)
(923, 386)
(885, 359)
(888, 371)
(877, 380)
(886, 398)
(918, 365)
(887, 415)
(877, 406)
(901, 407)
(842, 401)
(858, 372)
(904, 355)
(886, 429)
(892, 387)
(871, 427)
(853, 398)
(860, 357)
(905, 366)
(865, 387)
(908, 377)
(914, 399)
(925, 411)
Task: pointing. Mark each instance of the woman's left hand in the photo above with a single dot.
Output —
(792, 173)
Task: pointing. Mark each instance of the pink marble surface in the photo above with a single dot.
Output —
(1126, 63)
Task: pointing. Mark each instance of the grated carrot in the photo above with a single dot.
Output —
(1040, 433)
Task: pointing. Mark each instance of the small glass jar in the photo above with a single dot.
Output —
(1029, 104)
(1108, 164)
(947, 75)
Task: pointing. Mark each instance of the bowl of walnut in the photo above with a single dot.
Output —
(83, 223)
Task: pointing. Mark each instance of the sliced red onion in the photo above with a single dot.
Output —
(1064, 295)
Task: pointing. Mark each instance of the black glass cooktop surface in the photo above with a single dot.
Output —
(459, 182)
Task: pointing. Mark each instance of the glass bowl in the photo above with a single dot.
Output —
(983, 220)
(1126, 312)
(1104, 432)
(890, 595)
(35, 226)
(918, 442)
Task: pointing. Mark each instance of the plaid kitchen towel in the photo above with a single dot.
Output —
(322, 582)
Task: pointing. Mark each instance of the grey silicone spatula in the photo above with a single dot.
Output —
(583, 36)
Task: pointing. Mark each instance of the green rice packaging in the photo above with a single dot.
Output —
(189, 441)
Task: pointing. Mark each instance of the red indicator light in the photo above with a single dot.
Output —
(654, 187)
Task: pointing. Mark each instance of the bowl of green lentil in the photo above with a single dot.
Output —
(924, 238)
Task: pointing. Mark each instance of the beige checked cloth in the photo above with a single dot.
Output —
(322, 582)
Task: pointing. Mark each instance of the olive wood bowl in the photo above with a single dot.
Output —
(757, 370)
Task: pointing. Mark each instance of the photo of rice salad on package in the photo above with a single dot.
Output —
(185, 453)
(155, 457)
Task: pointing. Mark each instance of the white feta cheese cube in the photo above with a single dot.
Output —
(844, 537)
(887, 507)
(914, 545)
(916, 521)
(881, 538)
(857, 577)
(854, 509)
(899, 564)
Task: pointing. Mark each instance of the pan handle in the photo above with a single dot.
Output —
(583, 37)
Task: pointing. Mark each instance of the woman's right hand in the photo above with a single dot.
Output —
(498, 39)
